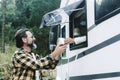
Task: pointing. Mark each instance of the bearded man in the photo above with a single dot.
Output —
(25, 63)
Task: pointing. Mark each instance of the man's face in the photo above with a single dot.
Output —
(30, 40)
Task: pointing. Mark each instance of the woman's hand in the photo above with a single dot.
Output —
(69, 40)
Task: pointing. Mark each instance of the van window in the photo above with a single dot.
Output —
(105, 9)
(55, 33)
(78, 26)
(53, 36)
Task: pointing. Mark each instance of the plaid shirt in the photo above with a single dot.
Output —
(24, 65)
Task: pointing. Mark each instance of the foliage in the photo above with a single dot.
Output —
(5, 72)
(6, 58)
(5, 64)
(30, 12)
(42, 40)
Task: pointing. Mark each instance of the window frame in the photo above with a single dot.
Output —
(84, 44)
(107, 15)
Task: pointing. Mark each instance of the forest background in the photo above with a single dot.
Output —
(16, 14)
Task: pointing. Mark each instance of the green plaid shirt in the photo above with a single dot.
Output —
(24, 65)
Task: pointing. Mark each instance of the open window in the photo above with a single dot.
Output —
(53, 36)
(78, 26)
(55, 33)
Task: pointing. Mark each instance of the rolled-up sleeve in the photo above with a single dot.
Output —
(48, 62)
(25, 61)
(79, 40)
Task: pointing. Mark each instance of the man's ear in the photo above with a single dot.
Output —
(24, 40)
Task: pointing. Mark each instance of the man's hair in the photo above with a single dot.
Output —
(21, 33)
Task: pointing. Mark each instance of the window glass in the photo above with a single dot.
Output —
(53, 35)
(63, 32)
(105, 9)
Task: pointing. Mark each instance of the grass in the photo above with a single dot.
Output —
(6, 57)
(5, 62)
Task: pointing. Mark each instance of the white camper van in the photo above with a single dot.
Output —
(97, 58)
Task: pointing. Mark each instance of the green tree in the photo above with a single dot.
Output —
(41, 7)
(42, 40)
(29, 12)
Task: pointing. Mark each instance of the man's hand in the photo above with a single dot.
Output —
(58, 51)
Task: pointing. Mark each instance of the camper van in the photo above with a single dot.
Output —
(98, 57)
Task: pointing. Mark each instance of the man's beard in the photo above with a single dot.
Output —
(32, 46)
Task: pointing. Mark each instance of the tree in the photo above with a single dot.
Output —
(5, 18)
(3, 24)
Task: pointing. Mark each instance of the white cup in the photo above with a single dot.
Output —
(61, 41)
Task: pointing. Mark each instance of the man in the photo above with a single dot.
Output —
(25, 63)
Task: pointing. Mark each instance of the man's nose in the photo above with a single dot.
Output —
(34, 38)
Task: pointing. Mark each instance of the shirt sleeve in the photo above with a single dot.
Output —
(48, 62)
(25, 61)
(79, 40)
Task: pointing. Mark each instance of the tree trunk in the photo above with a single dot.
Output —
(3, 25)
